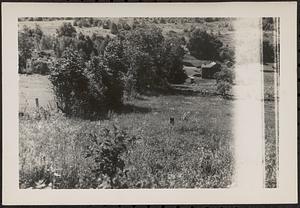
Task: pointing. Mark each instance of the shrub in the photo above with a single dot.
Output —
(46, 43)
(28, 40)
(162, 20)
(173, 59)
(224, 81)
(143, 48)
(126, 26)
(25, 48)
(203, 45)
(107, 153)
(85, 46)
(106, 24)
(40, 66)
(66, 29)
(61, 43)
(227, 54)
(113, 28)
(70, 85)
(85, 90)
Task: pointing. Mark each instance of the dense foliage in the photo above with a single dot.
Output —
(85, 90)
(28, 41)
(204, 46)
(66, 30)
(225, 80)
(268, 52)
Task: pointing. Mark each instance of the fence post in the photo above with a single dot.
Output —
(37, 102)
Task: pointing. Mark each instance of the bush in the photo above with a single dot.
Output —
(25, 48)
(106, 24)
(28, 40)
(203, 45)
(107, 153)
(143, 48)
(224, 81)
(70, 84)
(66, 29)
(85, 46)
(40, 66)
(126, 26)
(227, 54)
(114, 29)
(85, 90)
(162, 20)
(46, 43)
(81, 154)
(173, 59)
(61, 43)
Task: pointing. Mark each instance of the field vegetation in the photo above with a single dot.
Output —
(116, 108)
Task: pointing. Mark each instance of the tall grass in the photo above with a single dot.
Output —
(195, 152)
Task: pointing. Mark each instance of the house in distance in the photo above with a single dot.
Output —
(209, 70)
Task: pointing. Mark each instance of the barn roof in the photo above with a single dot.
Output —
(209, 65)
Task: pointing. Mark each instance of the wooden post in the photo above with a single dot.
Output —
(172, 120)
(37, 102)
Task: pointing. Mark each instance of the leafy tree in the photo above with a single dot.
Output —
(63, 42)
(67, 29)
(47, 42)
(225, 81)
(227, 54)
(25, 47)
(173, 56)
(143, 48)
(85, 46)
(268, 23)
(106, 24)
(204, 46)
(162, 20)
(85, 90)
(108, 151)
(70, 84)
(114, 28)
(126, 26)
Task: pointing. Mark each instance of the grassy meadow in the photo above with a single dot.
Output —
(195, 152)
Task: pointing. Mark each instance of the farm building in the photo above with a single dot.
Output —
(209, 70)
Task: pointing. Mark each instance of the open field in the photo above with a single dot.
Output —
(32, 87)
(194, 152)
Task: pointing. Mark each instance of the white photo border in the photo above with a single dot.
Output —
(287, 188)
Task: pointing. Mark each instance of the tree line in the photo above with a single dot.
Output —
(92, 74)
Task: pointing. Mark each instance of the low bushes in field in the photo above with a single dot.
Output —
(88, 156)
(224, 81)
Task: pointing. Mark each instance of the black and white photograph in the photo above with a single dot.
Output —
(136, 102)
(151, 102)
(126, 102)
